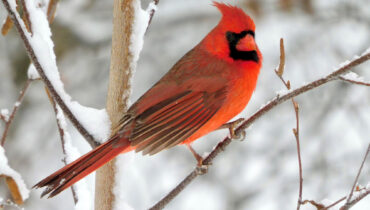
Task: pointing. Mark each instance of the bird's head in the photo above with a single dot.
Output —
(233, 38)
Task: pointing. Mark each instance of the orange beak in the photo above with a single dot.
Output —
(247, 43)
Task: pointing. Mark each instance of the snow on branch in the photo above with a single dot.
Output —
(354, 78)
(15, 183)
(92, 123)
(81, 194)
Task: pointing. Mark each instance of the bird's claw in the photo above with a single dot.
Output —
(201, 169)
(232, 126)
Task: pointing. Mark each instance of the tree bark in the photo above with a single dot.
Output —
(118, 93)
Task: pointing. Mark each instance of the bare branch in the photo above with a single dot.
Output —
(26, 17)
(14, 111)
(296, 134)
(347, 205)
(354, 81)
(319, 206)
(279, 72)
(273, 103)
(152, 11)
(89, 138)
(52, 8)
(335, 203)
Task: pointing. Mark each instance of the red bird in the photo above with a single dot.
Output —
(206, 88)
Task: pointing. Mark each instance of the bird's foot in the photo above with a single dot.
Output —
(232, 126)
(201, 167)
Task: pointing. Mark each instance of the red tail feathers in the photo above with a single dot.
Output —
(81, 167)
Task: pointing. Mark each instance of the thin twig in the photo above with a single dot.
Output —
(346, 205)
(62, 139)
(354, 81)
(152, 11)
(296, 134)
(279, 72)
(319, 206)
(276, 101)
(3, 118)
(52, 8)
(89, 138)
(335, 203)
(26, 17)
(356, 200)
(14, 111)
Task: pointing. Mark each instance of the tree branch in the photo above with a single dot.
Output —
(279, 72)
(354, 81)
(62, 139)
(9, 121)
(257, 115)
(356, 200)
(349, 203)
(31, 53)
(152, 11)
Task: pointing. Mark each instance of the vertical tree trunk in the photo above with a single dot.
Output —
(118, 93)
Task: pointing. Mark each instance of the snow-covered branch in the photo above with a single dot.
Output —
(15, 183)
(93, 124)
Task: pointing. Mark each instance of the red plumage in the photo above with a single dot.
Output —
(206, 88)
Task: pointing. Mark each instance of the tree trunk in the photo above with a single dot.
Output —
(118, 93)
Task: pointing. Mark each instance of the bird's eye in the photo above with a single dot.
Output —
(230, 36)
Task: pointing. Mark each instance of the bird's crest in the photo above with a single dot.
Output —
(234, 17)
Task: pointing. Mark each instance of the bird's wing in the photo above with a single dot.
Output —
(174, 119)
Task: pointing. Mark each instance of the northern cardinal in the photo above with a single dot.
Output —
(206, 88)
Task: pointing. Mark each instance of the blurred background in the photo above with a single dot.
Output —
(258, 173)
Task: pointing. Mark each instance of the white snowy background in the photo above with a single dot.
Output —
(258, 173)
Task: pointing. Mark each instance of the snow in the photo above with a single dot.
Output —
(17, 103)
(139, 26)
(283, 92)
(326, 202)
(7, 171)
(5, 114)
(122, 166)
(343, 64)
(83, 194)
(186, 23)
(95, 121)
(353, 76)
(32, 72)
